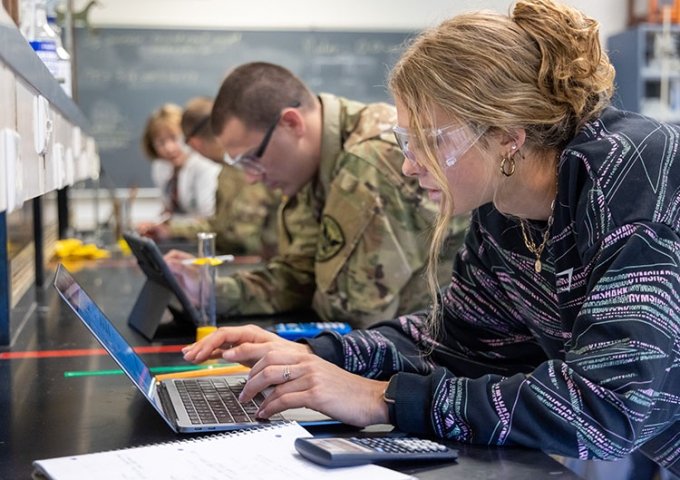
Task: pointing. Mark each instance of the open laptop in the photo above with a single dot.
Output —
(215, 406)
(160, 291)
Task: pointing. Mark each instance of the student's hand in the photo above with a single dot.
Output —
(156, 231)
(177, 255)
(187, 275)
(245, 345)
(300, 379)
(144, 227)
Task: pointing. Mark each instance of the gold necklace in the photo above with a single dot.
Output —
(537, 250)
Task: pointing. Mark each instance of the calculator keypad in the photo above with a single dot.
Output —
(399, 445)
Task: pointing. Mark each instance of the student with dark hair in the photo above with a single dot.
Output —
(245, 213)
(354, 233)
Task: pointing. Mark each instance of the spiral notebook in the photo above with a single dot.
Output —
(263, 452)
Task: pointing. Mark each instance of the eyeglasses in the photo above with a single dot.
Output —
(198, 127)
(250, 160)
(451, 142)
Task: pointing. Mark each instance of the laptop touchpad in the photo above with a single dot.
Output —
(303, 414)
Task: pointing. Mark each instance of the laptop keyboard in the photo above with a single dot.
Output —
(215, 400)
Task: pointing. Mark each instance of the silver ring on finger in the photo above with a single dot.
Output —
(286, 373)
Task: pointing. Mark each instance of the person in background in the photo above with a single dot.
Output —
(245, 214)
(353, 232)
(560, 329)
(187, 180)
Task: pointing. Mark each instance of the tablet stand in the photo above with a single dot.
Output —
(148, 311)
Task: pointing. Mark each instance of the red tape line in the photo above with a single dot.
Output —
(83, 352)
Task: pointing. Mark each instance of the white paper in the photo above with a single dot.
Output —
(255, 455)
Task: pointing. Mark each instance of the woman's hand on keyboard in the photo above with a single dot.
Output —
(245, 345)
(297, 379)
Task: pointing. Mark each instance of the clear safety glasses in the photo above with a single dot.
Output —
(450, 142)
(250, 160)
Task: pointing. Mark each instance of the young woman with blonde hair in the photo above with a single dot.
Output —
(560, 329)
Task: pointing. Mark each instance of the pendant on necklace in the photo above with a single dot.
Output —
(537, 265)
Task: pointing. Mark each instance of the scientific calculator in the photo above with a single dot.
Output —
(344, 452)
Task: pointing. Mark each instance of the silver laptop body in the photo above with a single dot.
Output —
(166, 396)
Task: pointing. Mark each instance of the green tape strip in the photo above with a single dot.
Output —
(167, 369)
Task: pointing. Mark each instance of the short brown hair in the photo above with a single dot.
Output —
(195, 119)
(255, 93)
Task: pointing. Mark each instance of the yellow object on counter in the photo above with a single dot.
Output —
(72, 248)
(204, 331)
(63, 248)
(208, 371)
(124, 247)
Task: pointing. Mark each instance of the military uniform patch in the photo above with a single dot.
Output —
(332, 239)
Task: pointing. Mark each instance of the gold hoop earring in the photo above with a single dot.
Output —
(508, 170)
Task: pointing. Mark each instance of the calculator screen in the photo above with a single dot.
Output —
(338, 445)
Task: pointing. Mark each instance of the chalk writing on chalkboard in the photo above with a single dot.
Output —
(124, 74)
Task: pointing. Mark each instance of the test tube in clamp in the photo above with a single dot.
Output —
(206, 286)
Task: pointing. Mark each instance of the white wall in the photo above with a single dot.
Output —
(312, 14)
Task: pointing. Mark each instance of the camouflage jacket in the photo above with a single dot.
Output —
(244, 220)
(353, 243)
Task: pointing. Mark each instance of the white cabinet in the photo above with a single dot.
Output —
(44, 146)
(7, 128)
(55, 149)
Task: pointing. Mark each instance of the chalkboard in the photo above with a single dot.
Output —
(124, 74)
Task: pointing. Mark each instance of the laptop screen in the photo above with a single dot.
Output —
(102, 328)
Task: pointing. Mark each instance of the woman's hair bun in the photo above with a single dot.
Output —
(574, 70)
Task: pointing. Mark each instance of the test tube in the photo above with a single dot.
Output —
(206, 287)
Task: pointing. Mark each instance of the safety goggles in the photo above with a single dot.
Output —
(250, 160)
(450, 142)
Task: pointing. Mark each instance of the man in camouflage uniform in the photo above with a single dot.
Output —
(245, 213)
(353, 232)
